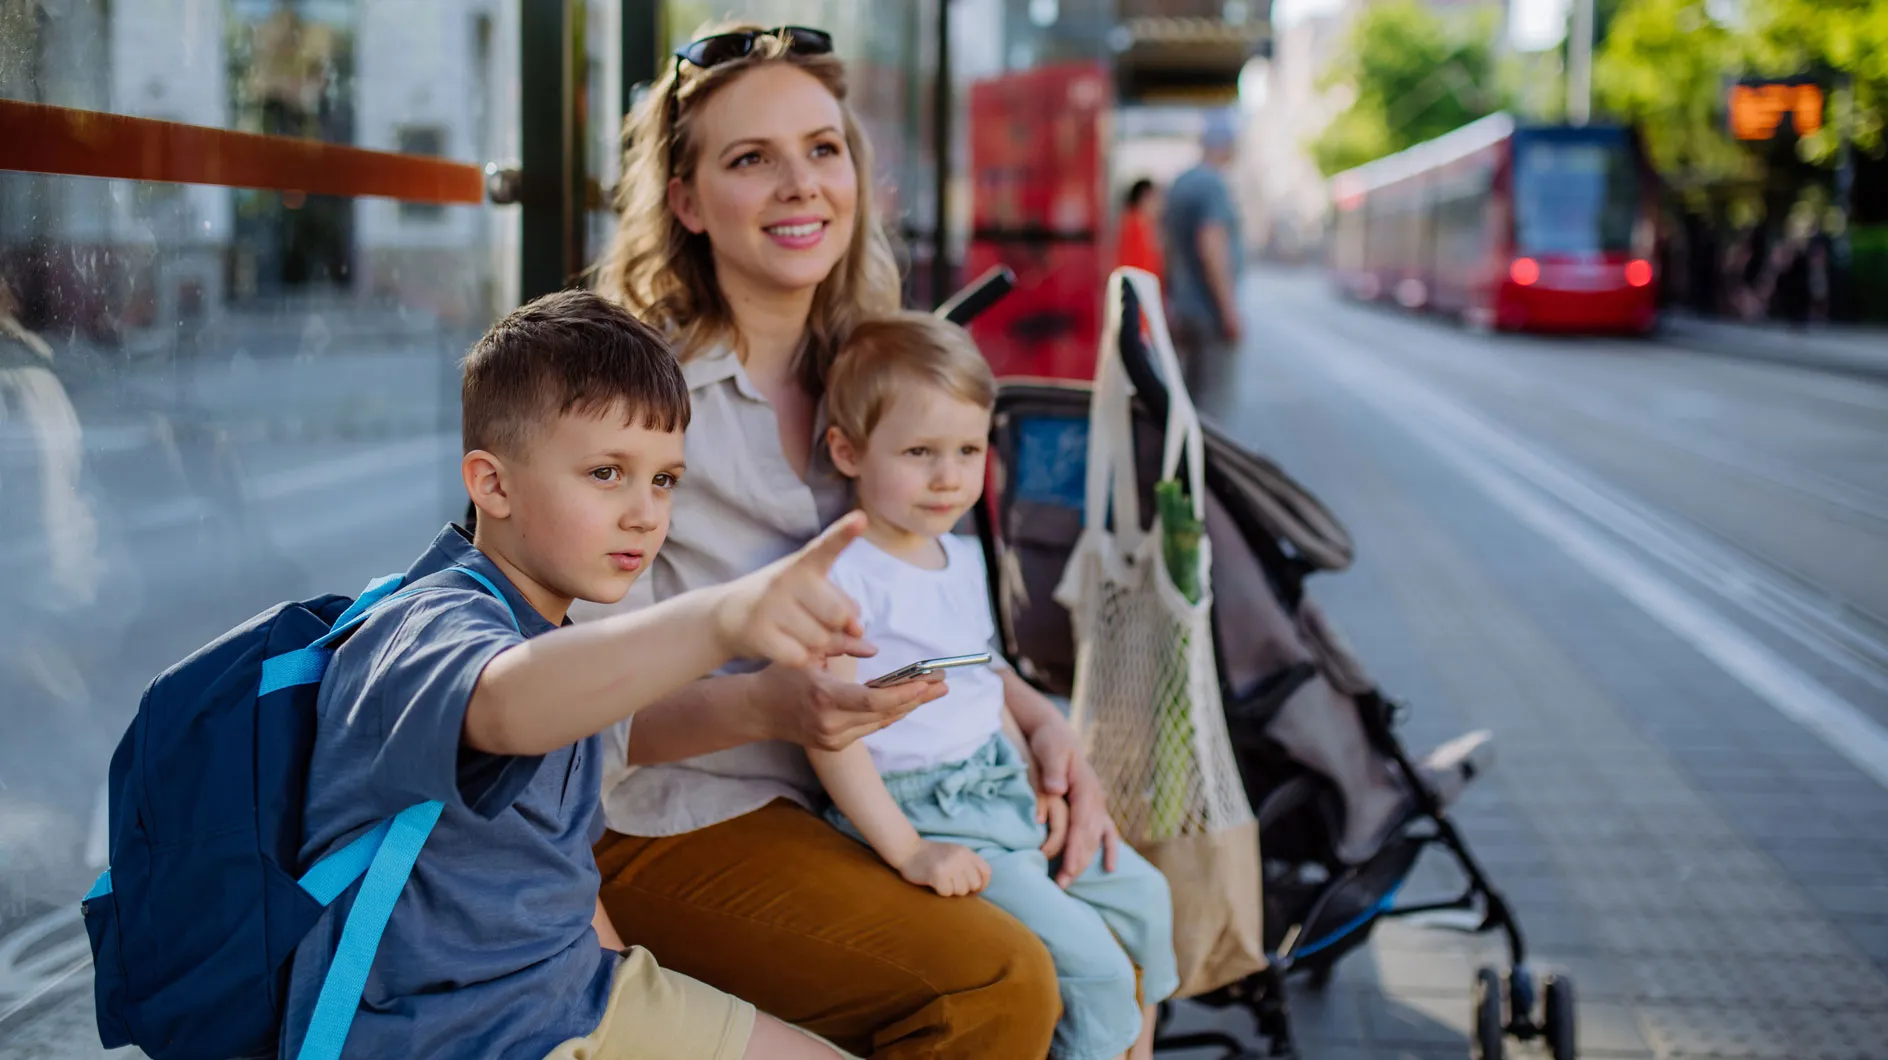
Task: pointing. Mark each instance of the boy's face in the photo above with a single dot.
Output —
(586, 505)
(923, 467)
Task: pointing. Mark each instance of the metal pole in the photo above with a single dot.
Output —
(1840, 252)
(551, 106)
(641, 24)
(941, 160)
(1580, 64)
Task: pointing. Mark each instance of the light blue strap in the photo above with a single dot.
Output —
(332, 874)
(385, 853)
(493, 589)
(347, 976)
(100, 887)
(376, 590)
(304, 666)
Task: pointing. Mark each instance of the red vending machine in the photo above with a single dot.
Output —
(1037, 206)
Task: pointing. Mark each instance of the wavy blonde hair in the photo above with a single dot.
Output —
(666, 274)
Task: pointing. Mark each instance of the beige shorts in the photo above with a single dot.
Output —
(656, 1014)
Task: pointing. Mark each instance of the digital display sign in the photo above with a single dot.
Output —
(1757, 109)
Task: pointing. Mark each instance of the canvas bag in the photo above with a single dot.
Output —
(1146, 695)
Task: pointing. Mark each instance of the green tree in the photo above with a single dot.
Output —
(1845, 37)
(1662, 68)
(1415, 76)
(1665, 63)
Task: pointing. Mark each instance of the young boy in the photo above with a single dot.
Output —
(941, 794)
(573, 421)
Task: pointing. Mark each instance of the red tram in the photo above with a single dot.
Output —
(1516, 227)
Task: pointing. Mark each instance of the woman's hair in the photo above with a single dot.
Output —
(666, 274)
(1138, 191)
(893, 354)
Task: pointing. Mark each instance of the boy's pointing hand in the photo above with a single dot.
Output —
(790, 612)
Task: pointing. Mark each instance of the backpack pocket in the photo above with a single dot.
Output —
(100, 911)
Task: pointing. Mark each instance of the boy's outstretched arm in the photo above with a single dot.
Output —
(554, 690)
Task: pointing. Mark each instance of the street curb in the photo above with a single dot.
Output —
(1712, 340)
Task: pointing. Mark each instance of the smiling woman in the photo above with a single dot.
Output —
(749, 234)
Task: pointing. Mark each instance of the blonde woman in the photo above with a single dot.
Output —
(748, 233)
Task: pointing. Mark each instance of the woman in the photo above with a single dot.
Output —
(748, 232)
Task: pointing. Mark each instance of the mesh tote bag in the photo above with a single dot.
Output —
(1146, 694)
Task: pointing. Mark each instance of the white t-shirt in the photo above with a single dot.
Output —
(912, 614)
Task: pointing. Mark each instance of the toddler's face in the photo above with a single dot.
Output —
(923, 467)
(591, 502)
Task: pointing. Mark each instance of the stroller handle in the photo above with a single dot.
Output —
(985, 291)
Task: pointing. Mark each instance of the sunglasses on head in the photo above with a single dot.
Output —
(721, 48)
(726, 47)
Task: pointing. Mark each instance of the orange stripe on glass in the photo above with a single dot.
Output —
(35, 138)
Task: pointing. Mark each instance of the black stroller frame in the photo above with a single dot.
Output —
(1303, 946)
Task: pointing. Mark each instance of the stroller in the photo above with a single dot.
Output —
(1343, 810)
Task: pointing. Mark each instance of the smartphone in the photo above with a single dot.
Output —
(925, 668)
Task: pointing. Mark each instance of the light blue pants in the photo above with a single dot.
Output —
(1099, 930)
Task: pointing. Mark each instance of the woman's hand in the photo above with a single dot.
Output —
(815, 709)
(1065, 772)
(1052, 812)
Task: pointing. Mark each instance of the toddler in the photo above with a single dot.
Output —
(944, 795)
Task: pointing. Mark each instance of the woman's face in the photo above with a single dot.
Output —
(774, 185)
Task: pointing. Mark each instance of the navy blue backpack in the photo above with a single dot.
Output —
(193, 924)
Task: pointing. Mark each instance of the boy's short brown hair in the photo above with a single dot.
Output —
(567, 351)
(885, 354)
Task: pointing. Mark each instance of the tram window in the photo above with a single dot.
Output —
(1574, 197)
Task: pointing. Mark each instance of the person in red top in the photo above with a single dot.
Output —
(1139, 245)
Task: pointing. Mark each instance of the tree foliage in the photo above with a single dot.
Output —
(1662, 68)
(1845, 37)
(1413, 75)
(1665, 64)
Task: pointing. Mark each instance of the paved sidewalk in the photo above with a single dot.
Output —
(1664, 839)
(1851, 349)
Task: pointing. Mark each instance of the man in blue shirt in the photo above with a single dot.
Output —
(574, 414)
(1203, 254)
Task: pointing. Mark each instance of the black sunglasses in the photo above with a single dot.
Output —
(726, 47)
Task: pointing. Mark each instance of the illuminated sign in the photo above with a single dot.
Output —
(1757, 109)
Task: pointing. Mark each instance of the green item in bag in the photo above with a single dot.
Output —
(1173, 772)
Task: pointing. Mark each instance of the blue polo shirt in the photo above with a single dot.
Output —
(490, 952)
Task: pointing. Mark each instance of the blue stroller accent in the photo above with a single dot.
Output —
(1344, 811)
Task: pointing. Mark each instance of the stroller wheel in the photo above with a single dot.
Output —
(1557, 1020)
(1521, 995)
(1490, 1024)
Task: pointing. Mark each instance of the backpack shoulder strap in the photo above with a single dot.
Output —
(386, 854)
(347, 976)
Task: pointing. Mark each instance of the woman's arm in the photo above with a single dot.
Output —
(709, 715)
(812, 708)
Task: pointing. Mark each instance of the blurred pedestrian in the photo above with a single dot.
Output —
(41, 455)
(48, 536)
(1202, 242)
(1139, 242)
